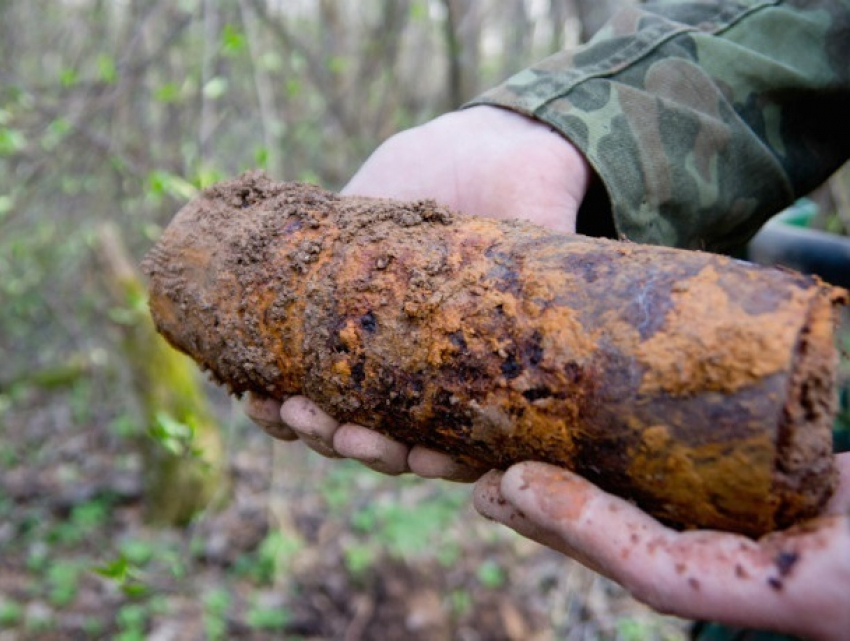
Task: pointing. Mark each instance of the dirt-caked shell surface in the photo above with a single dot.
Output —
(698, 386)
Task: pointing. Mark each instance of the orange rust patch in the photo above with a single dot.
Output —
(694, 353)
(724, 483)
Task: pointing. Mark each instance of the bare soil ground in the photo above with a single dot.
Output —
(300, 548)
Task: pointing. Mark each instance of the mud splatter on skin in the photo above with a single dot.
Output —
(740, 572)
(562, 496)
(499, 342)
(785, 562)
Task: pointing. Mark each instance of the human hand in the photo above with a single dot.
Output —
(796, 581)
(484, 161)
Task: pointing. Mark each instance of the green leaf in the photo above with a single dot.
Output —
(68, 77)
(117, 570)
(207, 176)
(293, 87)
(167, 93)
(215, 88)
(11, 141)
(358, 558)
(11, 613)
(217, 600)
(336, 64)
(232, 40)
(162, 183)
(271, 61)
(135, 590)
(419, 11)
(7, 203)
(55, 133)
(106, 69)
(137, 551)
(261, 157)
(175, 436)
(265, 618)
(491, 575)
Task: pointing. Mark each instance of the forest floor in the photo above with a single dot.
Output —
(301, 548)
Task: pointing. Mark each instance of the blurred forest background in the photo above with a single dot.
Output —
(112, 115)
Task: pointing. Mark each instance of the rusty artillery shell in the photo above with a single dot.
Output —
(698, 386)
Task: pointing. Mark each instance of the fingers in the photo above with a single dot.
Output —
(372, 449)
(840, 501)
(265, 412)
(795, 581)
(430, 464)
(490, 503)
(313, 426)
(300, 418)
(391, 457)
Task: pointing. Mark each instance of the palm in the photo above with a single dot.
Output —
(797, 581)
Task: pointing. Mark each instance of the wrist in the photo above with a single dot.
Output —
(536, 165)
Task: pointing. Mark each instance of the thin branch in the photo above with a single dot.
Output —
(317, 70)
(265, 97)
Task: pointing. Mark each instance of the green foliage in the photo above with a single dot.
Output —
(11, 141)
(107, 71)
(137, 552)
(132, 620)
(639, 629)
(215, 88)
(68, 77)
(461, 602)
(266, 618)
(338, 486)
(177, 437)
(491, 575)
(358, 558)
(272, 557)
(39, 622)
(93, 626)
(163, 183)
(38, 557)
(127, 575)
(7, 204)
(216, 603)
(419, 10)
(405, 530)
(84, 520)
(125, 426)
(232, 40)
(11, 613)
(167, 93)
(62, 579)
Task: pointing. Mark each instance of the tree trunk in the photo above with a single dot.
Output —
(181, 446)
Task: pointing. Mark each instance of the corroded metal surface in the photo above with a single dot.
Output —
(698, 386)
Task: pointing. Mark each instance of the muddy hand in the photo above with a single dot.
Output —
(300, 418)
(484, 161)
(797, 581)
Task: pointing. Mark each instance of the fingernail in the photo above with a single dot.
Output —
(555, 491)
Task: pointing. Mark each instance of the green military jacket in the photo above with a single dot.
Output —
(702, 119)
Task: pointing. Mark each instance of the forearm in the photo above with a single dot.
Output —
(701, 120)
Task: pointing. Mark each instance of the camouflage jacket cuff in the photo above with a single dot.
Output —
(691, 113)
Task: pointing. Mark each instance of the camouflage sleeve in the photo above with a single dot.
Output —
(702, 119)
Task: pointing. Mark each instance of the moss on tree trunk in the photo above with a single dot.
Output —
(181, 443)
